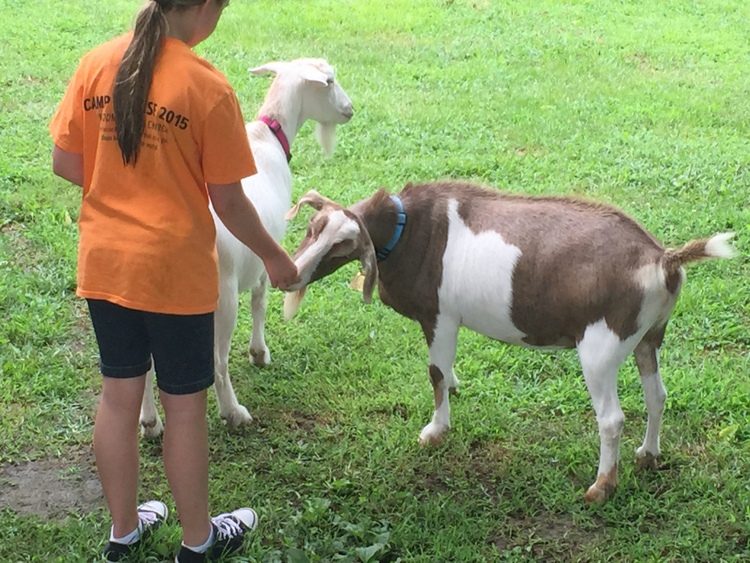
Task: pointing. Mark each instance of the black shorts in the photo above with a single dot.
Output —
(182, 346)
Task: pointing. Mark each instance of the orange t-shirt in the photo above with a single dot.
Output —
(147, 239)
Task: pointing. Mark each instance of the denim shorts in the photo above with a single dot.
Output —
(182, 346)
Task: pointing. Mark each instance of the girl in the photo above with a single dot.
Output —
(152, 132)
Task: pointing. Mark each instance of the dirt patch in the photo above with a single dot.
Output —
(548, 537)
(299, 421)
(384, 413)
(51, 488)
(487, 461)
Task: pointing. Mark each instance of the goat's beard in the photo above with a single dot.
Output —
(325, 133)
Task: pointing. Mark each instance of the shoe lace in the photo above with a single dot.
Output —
(147, 518)
(226, 526)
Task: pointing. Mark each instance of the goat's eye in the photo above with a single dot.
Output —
(329, 82)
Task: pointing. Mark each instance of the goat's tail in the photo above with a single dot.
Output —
(718, 246)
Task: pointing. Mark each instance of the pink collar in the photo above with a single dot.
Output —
(275, 128)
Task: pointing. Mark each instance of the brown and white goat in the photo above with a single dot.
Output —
(546, 272)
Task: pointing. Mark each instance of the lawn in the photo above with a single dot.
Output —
(643, 105)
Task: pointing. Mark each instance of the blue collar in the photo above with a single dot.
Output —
(383, 253)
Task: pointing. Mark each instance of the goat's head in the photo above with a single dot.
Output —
(335, 236)
(321, 97)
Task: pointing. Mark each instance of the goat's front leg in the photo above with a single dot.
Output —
(225, 320)
(260, 355)
(442, 355)
(647, 359)
(601, 352)
(151, 425)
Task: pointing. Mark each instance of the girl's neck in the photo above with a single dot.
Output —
(187, 24)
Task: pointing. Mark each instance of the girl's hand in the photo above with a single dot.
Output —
(281, 271)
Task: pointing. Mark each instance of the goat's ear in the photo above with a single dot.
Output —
(370, 269)
(311, 198)
(312, 74)
(292, 302)
(273, 67)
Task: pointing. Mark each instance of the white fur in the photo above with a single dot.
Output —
(484, 262)
(718, 246)
(601, 352)
(303, 89)
(658, 302)
(442, 355)
(339, 228)
(655, 395)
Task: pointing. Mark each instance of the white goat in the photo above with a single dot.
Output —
(542, 272)
(302, 89)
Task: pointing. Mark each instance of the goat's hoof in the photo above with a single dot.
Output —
(595, 495)
(152, 429)
(646, 460)
(260, 357)
(431, 436)
(237, 417)
(601, 490)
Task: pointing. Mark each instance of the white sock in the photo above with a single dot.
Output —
(127, 539)
(203, 548)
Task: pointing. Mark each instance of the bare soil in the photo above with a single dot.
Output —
(51, 488)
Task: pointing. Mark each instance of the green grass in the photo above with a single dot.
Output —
(639, 104)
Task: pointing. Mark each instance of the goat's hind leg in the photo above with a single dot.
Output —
(601, 352)
(442, 355)
(260, 355)
(647, 359)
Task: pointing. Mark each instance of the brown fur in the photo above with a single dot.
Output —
(408, 282)
(692, 251)
(436, 377)
(568, 276)
(673, 259)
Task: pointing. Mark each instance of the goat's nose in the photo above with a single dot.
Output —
(348, 111)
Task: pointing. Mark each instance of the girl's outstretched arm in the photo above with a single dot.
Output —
(238, 214)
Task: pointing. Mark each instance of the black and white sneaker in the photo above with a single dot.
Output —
(151, 515)
(229, 535)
